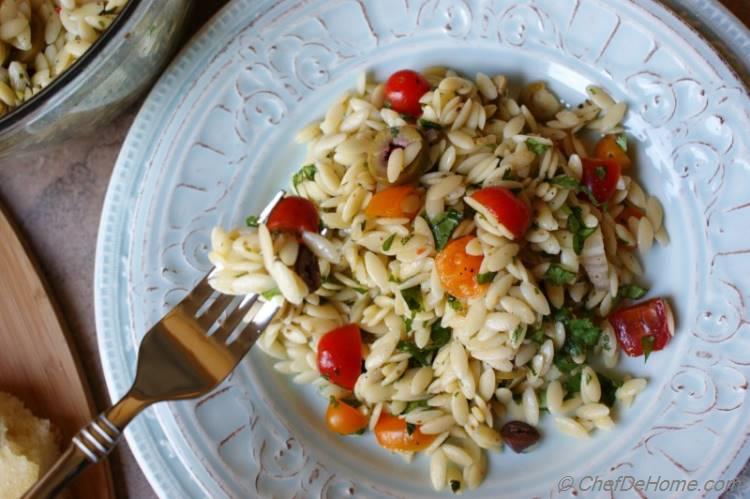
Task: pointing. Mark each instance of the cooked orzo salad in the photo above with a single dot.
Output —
(455, 262)
(40, 39)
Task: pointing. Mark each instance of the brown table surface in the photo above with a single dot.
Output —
(56, 196)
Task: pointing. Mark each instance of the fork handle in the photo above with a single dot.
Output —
(90, 445)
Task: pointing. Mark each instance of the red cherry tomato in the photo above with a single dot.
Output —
(512, 212)
(600, 176)
(404, 89)
(643, 328)
(340, 355)
(294, 214)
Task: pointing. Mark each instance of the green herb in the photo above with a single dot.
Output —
(622, 141)
(388, 242)
(565, 363)
(351, 402)
(647, 344)
(443, 226)
(455, 303)
(413, 298)
(566, 182)
(393, 278)
(509, 175)
(536, 147)
(427, 124)
(414, 405)
(408, 322)
(307, 172)
(252, 221)
(455, 485)
(515, 336)
(591, 90)
(410, 427)
(360, 290)
(270, 293)
(421, 356)
(579, 230)
(562, 315)
(609, 387)
(394, 131)
(631, 292)
(486, 277)
(573, 383)
(559, 275)
(600, 171)
(583, 333)
(536, 335)
(439, 335)
(406, 239)
(322, 226)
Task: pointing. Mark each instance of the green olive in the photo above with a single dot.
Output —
(405, 137)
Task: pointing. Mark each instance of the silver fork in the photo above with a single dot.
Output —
(185, 355)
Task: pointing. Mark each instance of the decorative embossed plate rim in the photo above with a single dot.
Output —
(182, 466)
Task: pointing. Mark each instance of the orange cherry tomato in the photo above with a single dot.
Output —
(401, 201)
(294, 214)
(629, 211)
(458, 270)
(608, 148)
(393, 434)
(512, 212)
(344, 419)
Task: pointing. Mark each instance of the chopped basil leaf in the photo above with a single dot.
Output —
(573, 383)
(408, 322)
(360, 290)
(455, 303)
(536, 147)
(486, 277)
(394, 131)
(515, 336)
(388, 242)
(439, 336)
(252, 221)
(622, 141)
(562, 315)
(509, 175)
(393, 278)
(565, 181)
(443, 226)
(406, 239)
(583, 332)
(579, 230)
(600, 171)
(536, 335)
(609, 387)
(414, 405)
(410, 427)
(564, 363)
(413, 298)
(455, 485)
(558, 275)
(631, 292)
(270, 293)
(647, 344)
(427, 124)
(307, 172)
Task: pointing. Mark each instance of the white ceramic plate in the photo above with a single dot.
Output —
(214, 140)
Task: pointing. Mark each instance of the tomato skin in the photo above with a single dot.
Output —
(340, 355)
(607, 148)
(512, 212)
(400, 201)
(458, 270)
(344, 419)
(600, 176)
(631, 324)
(403, 90)
(392, 434)
(294, 214)
(629, 211)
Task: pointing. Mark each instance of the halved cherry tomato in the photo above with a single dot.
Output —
(403, 90)
(401, 201)
(340, 355)
(512, 212)
(344, 419)
(600, 176)
(294, 214)
(629, 211)
(393, 434)
(608, 148)
(458, 270)
(643, 328)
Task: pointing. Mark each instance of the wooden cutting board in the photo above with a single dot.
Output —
(37, 360)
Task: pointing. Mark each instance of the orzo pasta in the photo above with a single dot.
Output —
(453, 265)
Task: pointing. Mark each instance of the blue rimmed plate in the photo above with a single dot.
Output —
(215, 138)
